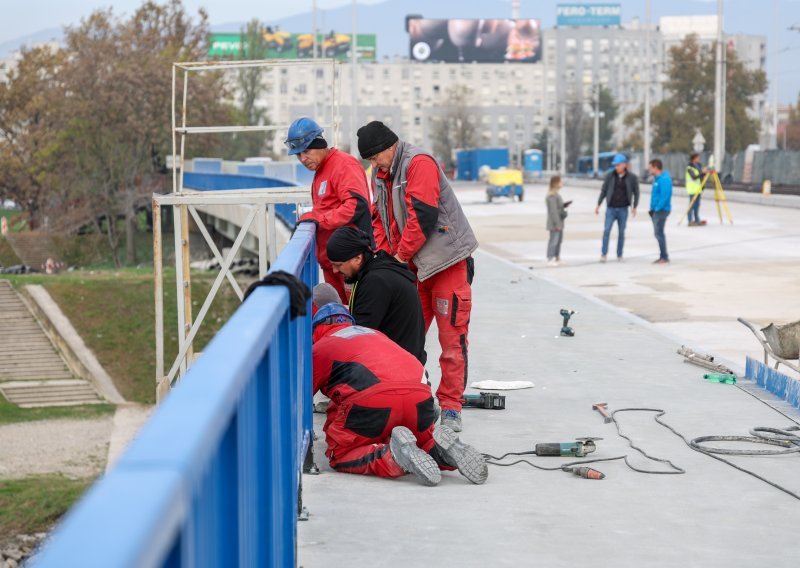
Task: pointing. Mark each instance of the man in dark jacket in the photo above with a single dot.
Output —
(384, 295)
(620, 191)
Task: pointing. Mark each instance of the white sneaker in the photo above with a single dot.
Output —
(552, 262)
(603, 258)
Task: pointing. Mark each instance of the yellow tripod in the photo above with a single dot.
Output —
(719, 197)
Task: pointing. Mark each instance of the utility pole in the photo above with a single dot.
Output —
(648, 77)
(775, 73)
(719, 95)
(515, 9)
(596, 145)
(563, 139)
(354, 82)
(314, 55)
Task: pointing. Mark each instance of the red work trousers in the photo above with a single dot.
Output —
(358, 436)
(447, 296)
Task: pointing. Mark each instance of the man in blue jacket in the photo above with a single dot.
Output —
(660, 206)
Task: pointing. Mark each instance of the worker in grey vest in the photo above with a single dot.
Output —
(419, 221)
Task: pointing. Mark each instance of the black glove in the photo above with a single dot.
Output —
(651, 213)
(298, 291)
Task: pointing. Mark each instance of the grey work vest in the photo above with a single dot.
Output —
(451, 241)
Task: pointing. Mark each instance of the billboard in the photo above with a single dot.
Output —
(482, 41)
(584, 15)
(285, 45)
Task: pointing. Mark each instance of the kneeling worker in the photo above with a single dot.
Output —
(380, 420)
(384, 295)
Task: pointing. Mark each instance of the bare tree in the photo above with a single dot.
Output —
(251, 87)
(455, 126)
(575, 130)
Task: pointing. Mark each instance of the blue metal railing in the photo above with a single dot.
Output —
(213, 478)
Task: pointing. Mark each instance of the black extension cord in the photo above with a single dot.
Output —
(786, 439)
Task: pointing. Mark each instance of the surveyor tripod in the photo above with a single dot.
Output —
(719, 197)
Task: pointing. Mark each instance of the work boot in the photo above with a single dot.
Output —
(452, 419)
(464, 457)
(405, 452)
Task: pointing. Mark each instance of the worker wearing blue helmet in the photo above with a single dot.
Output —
(339, 191)
(620, 191)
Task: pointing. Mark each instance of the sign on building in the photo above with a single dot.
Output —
(581, 15)
(285, 45)
(481, 41)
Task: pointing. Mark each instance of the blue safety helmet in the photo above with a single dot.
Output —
(619, 159)
(332, 313)
(301, 133)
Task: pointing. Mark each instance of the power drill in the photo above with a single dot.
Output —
(489, 400)
(585, 472)
(579, 448)
(566, 330)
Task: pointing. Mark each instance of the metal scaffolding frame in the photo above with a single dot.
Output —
(259, 201)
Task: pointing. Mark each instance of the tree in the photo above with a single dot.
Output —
(251, 87)
(30, 119)
(608, 114)
(792, 129)
(575, 133)
(541, 141)
(690, 101)
(117, 114)
(455, 126)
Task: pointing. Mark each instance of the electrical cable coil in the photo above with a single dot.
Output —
(786, 438)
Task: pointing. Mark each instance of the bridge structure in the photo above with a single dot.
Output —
(214, 477)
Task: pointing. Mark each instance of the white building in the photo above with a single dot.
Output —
(511, 102)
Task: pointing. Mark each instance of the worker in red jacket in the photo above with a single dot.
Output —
(380, 420)
(418, 220)
(339, 191)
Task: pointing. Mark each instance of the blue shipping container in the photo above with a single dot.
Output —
(469, 162)
(464, 165)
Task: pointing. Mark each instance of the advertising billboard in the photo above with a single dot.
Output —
(285, 45)
(585, 15)
(482, 41)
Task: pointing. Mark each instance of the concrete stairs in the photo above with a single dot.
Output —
(32, 247)
(32, 373)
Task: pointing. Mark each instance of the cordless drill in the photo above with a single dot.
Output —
(566, 330)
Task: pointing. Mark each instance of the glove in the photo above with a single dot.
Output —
(651, 213)
(298, 291)
(308, 218)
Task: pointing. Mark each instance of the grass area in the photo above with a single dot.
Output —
(12, 413)
(7, 255)
(34, 504)
(114, 313)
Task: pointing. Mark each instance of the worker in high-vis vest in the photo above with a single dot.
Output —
(695, 173)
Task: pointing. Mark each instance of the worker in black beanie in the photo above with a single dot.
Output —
(384, 295)
(374, 138)
(418, 220)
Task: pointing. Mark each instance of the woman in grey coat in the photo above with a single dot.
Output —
(556, 213)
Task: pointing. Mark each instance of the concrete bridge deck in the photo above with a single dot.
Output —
(713, 515)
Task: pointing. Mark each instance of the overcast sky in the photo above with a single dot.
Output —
(19, 18)
(22, 17)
